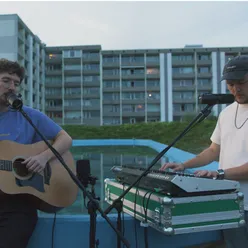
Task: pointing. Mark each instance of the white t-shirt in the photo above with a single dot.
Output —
(233, 142)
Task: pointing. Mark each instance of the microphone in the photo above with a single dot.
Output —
(14, 101)
(212, 99)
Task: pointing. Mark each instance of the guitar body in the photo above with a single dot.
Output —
(50, 190)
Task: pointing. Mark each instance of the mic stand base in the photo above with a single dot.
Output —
(119, 207)
(92, 212)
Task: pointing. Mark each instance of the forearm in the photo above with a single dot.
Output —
(62, 143)
(237, 173)
(205, 157)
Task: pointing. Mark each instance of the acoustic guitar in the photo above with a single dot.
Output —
(51, 190)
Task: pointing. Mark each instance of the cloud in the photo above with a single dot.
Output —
(91, 24)
(134, 25)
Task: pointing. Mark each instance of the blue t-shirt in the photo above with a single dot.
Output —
(14, 126)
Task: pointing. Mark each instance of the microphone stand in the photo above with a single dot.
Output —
(199, 118)
(16, 103)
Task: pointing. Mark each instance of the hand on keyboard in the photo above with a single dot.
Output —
(174, 166)
(205, 173)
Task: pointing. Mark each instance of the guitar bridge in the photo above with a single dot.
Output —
(47, 174)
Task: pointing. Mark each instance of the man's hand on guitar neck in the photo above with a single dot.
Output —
(36, 163)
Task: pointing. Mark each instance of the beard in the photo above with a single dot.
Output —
(242, 100)
(3, 100)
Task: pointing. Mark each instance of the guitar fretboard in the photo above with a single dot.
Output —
(6, 165)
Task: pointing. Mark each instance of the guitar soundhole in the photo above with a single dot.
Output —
(20, 169)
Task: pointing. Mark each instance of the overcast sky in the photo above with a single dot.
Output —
(135, 25)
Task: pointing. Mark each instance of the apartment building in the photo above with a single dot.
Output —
(90, 86)
(73, 84)
(160, 85)
(18, 43)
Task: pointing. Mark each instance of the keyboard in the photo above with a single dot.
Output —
(173, 183)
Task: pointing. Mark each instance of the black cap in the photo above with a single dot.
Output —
(236, 68)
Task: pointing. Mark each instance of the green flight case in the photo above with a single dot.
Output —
(178, 215)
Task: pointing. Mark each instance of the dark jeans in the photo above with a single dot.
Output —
(17, 222)
(237, 237)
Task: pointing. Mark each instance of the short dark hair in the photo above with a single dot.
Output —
(12, 67)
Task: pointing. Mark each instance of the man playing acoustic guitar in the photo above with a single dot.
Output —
(18, 217)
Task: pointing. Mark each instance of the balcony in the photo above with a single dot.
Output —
(204, 62)
(91, 71)
(184, 88)
(150, 63)
(53, 84)
(91, 95)
(184, 113)
(133, 114)
(180, 100)
(111, 101)
(72, 120)
(133, 76)
(133, 89)
(183, 75)
(111, 114)
(72, 84)
(133, 63)
(116, 89)
(51, 97)
(73, 96)
(111, 76)
(91, 58)
(54, 108)
(133, 101)
(111, 64)
(75, 107)
(53, 59)
(153, 76)
(54, 72)
(176, 62)
(204, 75)
(93, 107)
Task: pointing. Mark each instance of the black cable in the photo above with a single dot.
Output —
(134, 215)
(145, 208)
(53, 229)
(123, 224)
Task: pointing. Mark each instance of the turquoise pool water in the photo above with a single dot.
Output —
(101, 161)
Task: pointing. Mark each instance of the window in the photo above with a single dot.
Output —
(204, 82)
(52, 56)
(203, 56)
(127, 108)
(72, 54)
(111, 84)
(140, 108)
(152, 95)
(73, 114)
(182, 57)
(131, 84)
(152, 58)
(153, 107)
(72, 91)
(203, 69)
(111, 108)
(109, 59)
(183, 82)
(183, 95)
(111, 96)
(152, 83)
(183, 70)
(152, 71)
